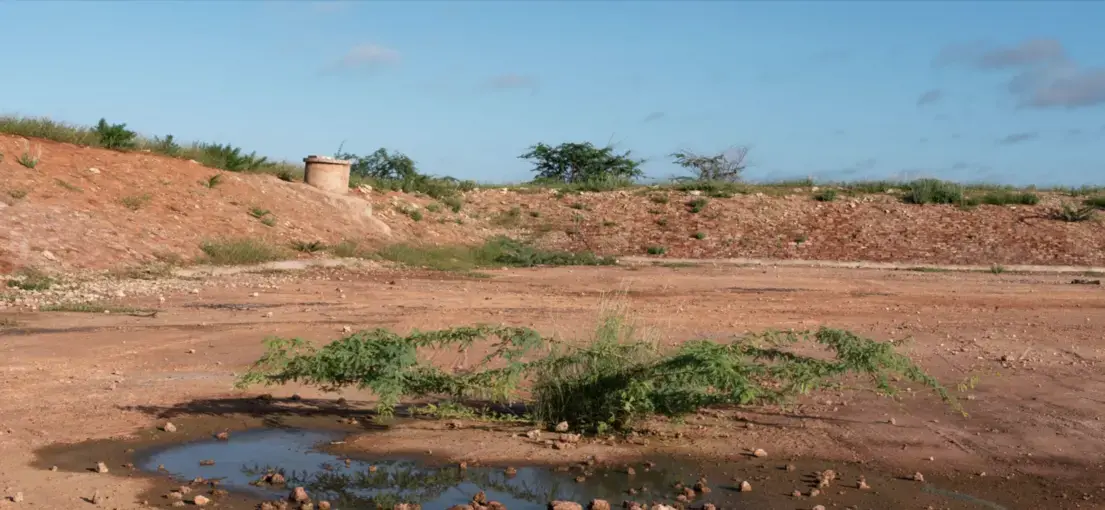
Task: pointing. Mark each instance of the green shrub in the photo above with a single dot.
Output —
(610, 383)
(31, 279)
(1098, 202)
(229, 252)
(135, 202)
(115, 136)
(697, 205)
(498, 251)
(1074, 214)
(454, 203)
(229, 158)
(308, 247)
(656, 250)
(825, 195)
(1006, 197)
(934, 191)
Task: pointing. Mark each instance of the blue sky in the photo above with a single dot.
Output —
(1010, 92)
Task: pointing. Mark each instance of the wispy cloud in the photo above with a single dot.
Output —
(1044, 74)
(512, 81)
(654, 116)
(1016, 138)
(930, 96)
(368, 56)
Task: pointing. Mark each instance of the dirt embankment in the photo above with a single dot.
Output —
(87, 208)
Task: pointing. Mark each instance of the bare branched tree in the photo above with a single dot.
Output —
(723, 166)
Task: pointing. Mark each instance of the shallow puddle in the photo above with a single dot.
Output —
(300, 456)
(357, 484)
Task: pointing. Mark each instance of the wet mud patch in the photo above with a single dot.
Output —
(315, 453)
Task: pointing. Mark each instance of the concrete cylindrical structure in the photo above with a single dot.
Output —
(327, 174)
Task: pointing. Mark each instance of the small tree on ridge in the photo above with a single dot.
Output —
(724, 166)
(581, 162)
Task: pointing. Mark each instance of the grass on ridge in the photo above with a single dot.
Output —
(117, 137)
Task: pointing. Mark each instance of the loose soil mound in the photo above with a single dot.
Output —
(88, 208)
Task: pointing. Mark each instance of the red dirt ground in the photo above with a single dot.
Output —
(1033, 342)
(69, 213)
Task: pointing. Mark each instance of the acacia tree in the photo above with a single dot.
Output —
(381, 165)
(581, 162)
(724, 166)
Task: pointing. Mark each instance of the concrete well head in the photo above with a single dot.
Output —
(327, 174)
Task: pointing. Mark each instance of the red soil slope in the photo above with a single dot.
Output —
(93, 208)
(872, 228)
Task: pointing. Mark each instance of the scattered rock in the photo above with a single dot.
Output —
(510, 471)
(562, 426)
(819, 507)
(323, 505)
(207, 462)
(862, 484)
(298, 495)
(814, 493)
(168, 427)
(599, 504)
(534, 434)
(223, 436)
(796, 494)
(759, 453)
(101, 467)
(18, 498)
(565, 505)
(790, 467)
(918, 477)
(53, 468)
(97, 498)
(200, 500)
(746, 487)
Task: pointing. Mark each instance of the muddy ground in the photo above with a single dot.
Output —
(1031, 343)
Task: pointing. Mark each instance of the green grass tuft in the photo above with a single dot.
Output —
(94, 308)
(498, 251)
(31, 279)
(245, 251)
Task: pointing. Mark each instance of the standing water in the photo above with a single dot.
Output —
(356, 484)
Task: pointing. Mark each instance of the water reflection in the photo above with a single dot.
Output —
(352, 484)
